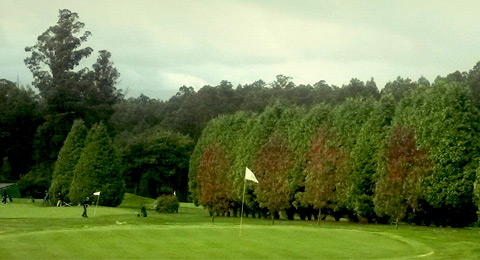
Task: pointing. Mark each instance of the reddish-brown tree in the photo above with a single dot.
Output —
(213, 187)
(325, 171)
(271, 168)
(398, 188)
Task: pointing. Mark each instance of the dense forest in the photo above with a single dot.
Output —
(407, 152)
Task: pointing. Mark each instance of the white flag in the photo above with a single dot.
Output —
(96, 193)
(250, 176)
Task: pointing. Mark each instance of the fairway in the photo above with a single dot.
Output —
(35, 232)
(207, 241)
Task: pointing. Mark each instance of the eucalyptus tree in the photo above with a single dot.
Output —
(69, 92)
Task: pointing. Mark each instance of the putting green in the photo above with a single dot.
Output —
(212, 241)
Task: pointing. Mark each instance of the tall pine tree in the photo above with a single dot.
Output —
(97, 170)
(67, 160)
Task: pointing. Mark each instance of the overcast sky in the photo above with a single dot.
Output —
(158, 46)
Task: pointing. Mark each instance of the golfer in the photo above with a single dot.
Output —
(85, 206)
(60, 200)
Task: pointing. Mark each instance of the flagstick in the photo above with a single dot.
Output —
(95, 211)
(243, 201)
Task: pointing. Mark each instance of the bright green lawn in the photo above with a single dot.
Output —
(29, 231)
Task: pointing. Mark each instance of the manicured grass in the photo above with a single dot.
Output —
(32, 231)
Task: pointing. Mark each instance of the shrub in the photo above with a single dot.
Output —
(167, 204)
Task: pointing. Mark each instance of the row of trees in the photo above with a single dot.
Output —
(410, 155)
(153, 139)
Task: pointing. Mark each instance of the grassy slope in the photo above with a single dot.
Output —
(35, 232)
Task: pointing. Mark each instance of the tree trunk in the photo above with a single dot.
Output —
(273, 219)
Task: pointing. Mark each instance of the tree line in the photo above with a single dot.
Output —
(153, 139)
(410, 155)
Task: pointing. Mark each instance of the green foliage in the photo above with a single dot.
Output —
(273, 162)
(447, 125)
(473, 81)
(230, 132)
(36, 181)
(155, 162)
(132, 201)
(97, 170)
(136, 115)
(476, 191)
(6, 171)
(67, 160)
(69, 93)
(399, 88)
(442, 117)
(356, 88)
(213, 188)
(19, 119)
(167, 204)
(359, 188)
(325, 171)
(401, 171)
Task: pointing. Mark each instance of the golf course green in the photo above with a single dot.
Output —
(32, 231)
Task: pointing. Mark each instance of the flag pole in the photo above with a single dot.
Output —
(243, 201)
(95, 211)
(248, 176)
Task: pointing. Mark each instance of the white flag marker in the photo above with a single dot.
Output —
(98, 194)
(250, 176)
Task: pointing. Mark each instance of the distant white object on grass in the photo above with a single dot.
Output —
(121, 223)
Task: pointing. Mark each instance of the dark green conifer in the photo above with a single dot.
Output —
(97, 170)
(68, 159)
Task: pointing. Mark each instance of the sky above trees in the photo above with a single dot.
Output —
(158, 46)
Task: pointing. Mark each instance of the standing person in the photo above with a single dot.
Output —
(60, 199)
(85, 206)
(46, 198)
(4, 197)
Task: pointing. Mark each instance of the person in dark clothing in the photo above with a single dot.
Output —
(60, 200)
(143, 212)
(4, 197)
(85, 206)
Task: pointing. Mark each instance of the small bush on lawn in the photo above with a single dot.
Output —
(167, 204)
